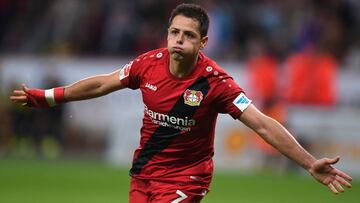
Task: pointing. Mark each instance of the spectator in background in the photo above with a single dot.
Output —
(118, 33)
(338, 25)
(262, 69)
(220, 30)
(25, 132)
(43, 136)
(311, 70)
(99, 27)
(263, 73)
(6, 132)
(50, 125)
(310, 77)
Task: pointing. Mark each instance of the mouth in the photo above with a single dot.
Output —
(177, 49)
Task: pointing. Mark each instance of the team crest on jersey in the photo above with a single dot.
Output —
(125, 71)
(193, 97)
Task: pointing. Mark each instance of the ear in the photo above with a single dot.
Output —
(204, 42)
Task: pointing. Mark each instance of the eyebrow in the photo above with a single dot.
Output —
(185, 31)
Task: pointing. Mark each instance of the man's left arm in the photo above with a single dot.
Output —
(276, 135)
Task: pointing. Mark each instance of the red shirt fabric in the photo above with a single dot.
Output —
(177, 135)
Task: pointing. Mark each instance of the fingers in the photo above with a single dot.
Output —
(330, 176)
(332, 161)
(18, 99)
(341, 174)
(24, 88)
(342, 181)
(20, 96)
(335, 187)
(19, 93)
(332, 188)
(338, 186)
(337, 172)
(326, 162)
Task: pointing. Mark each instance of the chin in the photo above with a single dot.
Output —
(177, 56)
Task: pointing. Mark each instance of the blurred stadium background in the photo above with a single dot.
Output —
(299, 60)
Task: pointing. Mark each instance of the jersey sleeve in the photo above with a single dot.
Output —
(231, 99)
(130, 74)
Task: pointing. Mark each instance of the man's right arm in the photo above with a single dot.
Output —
(92, 87)
(87, 88)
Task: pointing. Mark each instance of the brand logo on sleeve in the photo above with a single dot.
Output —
(151, 87)
(193, 97)
(242, 102)
(125, 71)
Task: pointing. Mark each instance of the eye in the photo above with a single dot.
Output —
(174, 32)
(189, 35)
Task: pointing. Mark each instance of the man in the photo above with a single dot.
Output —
(183, 92)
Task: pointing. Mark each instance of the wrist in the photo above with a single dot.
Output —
(45, 98)
(310, 166)
(55, 96)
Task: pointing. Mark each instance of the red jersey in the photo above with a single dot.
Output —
(177, 135)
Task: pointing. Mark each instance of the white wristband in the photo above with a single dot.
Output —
(50, 97)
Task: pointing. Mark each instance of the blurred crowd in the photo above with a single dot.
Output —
(291, 36)
(280, 43)
(119, 27)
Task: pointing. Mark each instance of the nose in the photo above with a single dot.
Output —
(180, 38)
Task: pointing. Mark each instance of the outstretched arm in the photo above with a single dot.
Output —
(276, 135)
(87, 88)
(93, 87)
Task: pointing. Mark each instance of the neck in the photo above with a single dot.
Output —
(182, 68)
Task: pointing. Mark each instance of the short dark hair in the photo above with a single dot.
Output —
(192, 11)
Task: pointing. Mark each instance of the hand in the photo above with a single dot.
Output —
(38, 97)
(326, 174)
(20, 96)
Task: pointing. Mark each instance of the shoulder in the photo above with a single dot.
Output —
(147, 61)
(151, 56)
(212, 70)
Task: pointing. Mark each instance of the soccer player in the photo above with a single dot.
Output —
(183, 92)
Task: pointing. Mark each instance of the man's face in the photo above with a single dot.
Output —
(184, 38)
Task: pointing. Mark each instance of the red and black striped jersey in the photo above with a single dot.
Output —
(177, 135)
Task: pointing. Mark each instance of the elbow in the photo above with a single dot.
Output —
(99, 89)
(263, 132)
(99, 86)
(262, 127)
(268, 131)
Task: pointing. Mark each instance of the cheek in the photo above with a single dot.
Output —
(194, 46)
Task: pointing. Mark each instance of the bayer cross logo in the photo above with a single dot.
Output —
(193, 97)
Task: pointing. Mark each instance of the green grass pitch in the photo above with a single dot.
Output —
(25, 181)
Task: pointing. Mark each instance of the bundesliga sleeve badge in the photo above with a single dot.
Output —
(242, 102)
(193, 97)
(125, 71)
